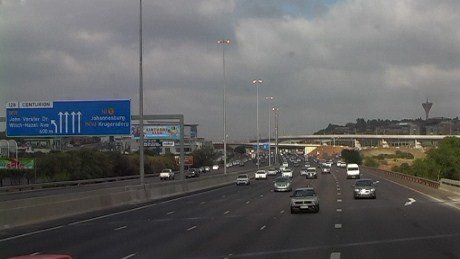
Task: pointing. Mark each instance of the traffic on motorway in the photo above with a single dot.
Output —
(273, 216)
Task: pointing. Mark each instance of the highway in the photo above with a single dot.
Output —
(8, 196)
(255, 222)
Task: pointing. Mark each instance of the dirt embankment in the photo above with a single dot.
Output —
(389, 163)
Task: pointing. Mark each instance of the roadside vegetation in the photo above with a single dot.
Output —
(91, 164)
(442, 162)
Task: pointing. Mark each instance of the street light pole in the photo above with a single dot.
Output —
(257, 83)
(224, 42)
(275, 110)
(269, 98)
(141, 101)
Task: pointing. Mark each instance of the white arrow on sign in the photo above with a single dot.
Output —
(66, 114)
(53, 122)
(60, 122)
(79, 117)
(73, 121)
(411, 200)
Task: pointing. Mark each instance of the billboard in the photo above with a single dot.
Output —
(68, 118)
(188, 160)
(23, 163)
(157, 132)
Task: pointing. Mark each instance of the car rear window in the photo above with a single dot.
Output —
(303, 193)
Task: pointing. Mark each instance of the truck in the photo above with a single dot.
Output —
(167, 174)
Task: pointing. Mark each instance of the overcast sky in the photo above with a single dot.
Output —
(323, 61)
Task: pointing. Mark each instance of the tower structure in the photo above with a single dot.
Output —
(427, 107)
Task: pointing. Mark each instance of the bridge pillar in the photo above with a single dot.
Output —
(384, 143)
(417, 144)
(357, 144)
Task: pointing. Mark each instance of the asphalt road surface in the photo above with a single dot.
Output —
(255, 222)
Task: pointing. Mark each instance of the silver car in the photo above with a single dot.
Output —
(365, 188)
(243, 179)
(282, 184)
(304, 199)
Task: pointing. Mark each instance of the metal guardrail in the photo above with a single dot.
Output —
(450, 182)
(69, 183)
(411, 178)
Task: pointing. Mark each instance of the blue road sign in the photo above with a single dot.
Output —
(68, 118)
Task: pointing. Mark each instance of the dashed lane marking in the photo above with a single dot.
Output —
(191, 228)
(335, 255)
(339, 210)
(339, 200)
(263, 227)
(120, 228)
(128, 256)
(169, 213)
(338, 226)
(225, 213)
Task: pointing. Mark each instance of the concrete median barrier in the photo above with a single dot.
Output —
(40, 209)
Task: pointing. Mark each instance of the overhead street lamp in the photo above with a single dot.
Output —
(269, 98)
(275, 110)
(224, 42)
(257, 83)
(141, 101)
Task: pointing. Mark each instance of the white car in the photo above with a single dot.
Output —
(260, 174)
(272, 171)
(353, 171)
(167, 174)
(286, 173)
(215, 167)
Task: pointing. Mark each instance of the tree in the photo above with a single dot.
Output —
(240, 150)
(204, 156)
(352, 156)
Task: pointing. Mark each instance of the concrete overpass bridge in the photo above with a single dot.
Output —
(351, 140)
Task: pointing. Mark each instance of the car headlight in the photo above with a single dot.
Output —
(373, 190)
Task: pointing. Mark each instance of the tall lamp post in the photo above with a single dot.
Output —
(275, 110)
(141, 101)
(257, 83)
(224, 42)
(269, 98)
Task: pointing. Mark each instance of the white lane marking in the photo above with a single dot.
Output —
(169, 213)
(419, 192)
(339, 193)
(31, 233)
(284, 252)
(192, 228)
(263, 227)
(282, 211)
(128, 256)
(36, 253)
(140, 208)
(120, 228)
(339, 200)
(339, 210)
(261, 195)
(247, 202)
(338, 225)
(335, 255)
(225, 213)
(411, 200)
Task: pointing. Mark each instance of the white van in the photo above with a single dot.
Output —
(353, 171)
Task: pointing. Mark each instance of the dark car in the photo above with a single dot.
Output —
(365, 188)
(192, 172)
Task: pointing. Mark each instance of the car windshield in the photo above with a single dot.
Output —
(364, 183)
(281, 180)
(304, 193)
